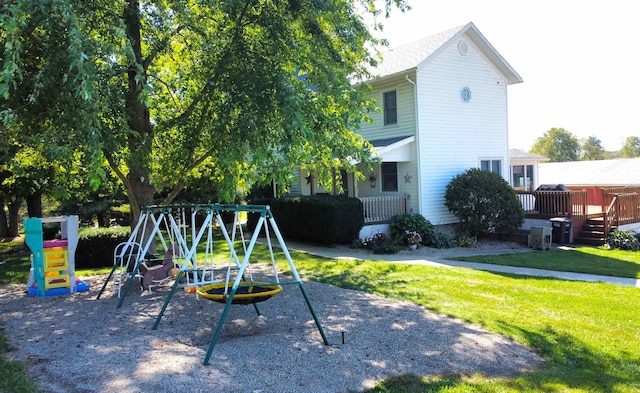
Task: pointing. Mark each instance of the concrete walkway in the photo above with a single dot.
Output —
(347, 253)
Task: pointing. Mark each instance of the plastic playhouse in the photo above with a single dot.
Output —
(53, 261)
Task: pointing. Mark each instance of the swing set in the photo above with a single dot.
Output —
(230, 283)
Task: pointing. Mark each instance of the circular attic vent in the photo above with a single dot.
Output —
(463, 48)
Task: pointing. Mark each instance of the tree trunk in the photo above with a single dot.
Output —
(139, 120)
(14, 218)
(4, 225)
(34, 204)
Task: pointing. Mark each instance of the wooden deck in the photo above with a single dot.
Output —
(591, 223)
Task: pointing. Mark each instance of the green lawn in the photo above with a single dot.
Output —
(587, 332)
(591, 260)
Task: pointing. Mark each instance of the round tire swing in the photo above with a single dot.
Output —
(248, 292)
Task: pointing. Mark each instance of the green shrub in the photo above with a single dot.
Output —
(467, 241)
(96, 245)
(484, 203)
(402, 223)
(324, 219)
(442, 240)
(622, 240)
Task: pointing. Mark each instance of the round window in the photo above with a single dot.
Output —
(465, 94)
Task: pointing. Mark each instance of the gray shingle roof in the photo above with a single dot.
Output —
(412, 55)
(523, 155)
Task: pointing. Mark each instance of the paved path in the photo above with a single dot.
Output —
(346, 253)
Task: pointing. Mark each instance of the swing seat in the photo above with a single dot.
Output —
(248, 292)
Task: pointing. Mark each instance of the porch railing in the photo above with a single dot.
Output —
(623, 209)
(383, 208)
(608, 194)
(550, 204)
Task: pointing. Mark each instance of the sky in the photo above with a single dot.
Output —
(579, 60)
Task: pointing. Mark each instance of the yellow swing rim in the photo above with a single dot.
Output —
(240, 298)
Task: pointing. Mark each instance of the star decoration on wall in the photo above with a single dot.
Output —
(407, 178)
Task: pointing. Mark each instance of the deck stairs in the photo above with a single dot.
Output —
(592, 232)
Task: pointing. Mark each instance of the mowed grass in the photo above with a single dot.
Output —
(592, 260)
(586, 332)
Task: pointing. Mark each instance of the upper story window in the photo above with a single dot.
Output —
(390, 107)
(494, 166)
(389, 176)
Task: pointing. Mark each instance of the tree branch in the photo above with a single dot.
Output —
(123, 178)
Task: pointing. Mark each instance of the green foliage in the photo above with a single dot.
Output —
(484, 203)
(96, 245)
(467, 241)
(442, 240)
(174, 92)
(403, 223)
(323, 219)
(591, 149)
(631, 148)
(622, 240)
(558, 145)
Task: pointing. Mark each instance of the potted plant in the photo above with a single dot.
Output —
(413, 238)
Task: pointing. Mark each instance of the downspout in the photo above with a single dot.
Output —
(417, 135)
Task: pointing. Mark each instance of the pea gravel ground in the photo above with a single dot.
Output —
(76, 343)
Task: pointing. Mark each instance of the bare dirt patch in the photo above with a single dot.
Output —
(80, 344)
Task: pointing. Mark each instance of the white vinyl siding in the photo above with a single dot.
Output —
(455, 135)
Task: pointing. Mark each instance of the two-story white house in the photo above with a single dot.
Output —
(443, 102)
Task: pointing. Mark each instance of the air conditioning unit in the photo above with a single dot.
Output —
(540, 238)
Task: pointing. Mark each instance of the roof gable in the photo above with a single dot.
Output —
(419, 53)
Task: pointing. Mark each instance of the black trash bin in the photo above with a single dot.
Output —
(561, 228)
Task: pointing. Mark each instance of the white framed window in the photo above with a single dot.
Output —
(494, 166)
(522, 177)
(390, 107)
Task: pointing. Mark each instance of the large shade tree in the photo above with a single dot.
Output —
(159, 88)
(591, 149)
(631, 148)
(558, 145)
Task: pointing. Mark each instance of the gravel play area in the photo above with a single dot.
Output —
(75, 343)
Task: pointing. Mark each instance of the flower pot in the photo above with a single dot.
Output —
(413, 246)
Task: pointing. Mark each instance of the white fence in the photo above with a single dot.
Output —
(382, 208)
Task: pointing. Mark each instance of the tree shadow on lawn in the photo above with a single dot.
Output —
(570, 364)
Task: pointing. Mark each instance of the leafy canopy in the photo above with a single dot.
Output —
(591, 149)
(558, 145)
(631, 148)
(160, 89)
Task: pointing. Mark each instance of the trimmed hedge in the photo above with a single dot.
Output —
(324, 219)
(96, 245)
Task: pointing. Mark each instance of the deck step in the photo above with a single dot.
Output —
(592, 233)
(590, 241)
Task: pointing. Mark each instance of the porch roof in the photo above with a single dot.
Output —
(393, 149)
(521, 155)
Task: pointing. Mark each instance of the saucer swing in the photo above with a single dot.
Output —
(238, 286)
